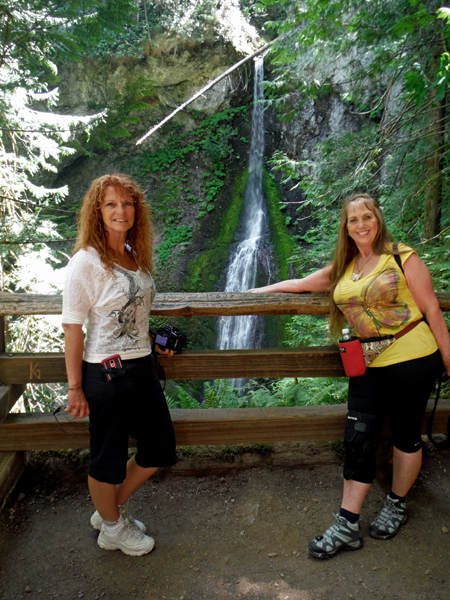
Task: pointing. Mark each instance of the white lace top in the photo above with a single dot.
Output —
(116, 306)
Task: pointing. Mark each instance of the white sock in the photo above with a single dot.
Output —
(113, 527)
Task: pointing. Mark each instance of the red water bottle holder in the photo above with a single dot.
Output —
(352, 357)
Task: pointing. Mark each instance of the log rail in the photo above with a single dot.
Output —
(211, 304)
(20, 433)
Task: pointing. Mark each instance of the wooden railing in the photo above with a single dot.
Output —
(22, 432)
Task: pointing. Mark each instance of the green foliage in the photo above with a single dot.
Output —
(213, 137)
(180, 19)
(35, 37)
(173, 237)
(437, 258)
(36, 272)
(213, 262)
(307, 330)
(396, 74)
(39, 33)
(129, 41)
(283, 244)
(176, 147)
(280, 393)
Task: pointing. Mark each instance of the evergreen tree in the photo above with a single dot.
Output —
(35, 36)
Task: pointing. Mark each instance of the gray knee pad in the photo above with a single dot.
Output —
(362, 433)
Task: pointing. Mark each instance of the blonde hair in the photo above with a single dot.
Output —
(346, 250)
(91, 230)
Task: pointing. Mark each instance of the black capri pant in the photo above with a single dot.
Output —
(129, 405)
(400, 391)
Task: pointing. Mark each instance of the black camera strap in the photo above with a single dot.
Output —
(159, 370)
(444, 444)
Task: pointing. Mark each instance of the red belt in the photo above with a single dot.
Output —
(408, 328)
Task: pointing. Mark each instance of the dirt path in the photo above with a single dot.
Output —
(239, 533)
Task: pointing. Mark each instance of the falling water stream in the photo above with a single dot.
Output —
(251, 252)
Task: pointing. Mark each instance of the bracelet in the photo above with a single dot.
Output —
(76, 388)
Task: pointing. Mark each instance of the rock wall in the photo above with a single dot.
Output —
(177, 70)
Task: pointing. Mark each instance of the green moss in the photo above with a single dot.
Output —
(283, 247)
(230, 221)
(283, 244)
(205, 270)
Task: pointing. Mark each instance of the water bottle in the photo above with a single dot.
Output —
(351, 354)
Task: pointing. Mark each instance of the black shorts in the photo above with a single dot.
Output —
(133, 405)
(400, 391)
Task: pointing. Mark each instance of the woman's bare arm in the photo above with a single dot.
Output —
(420, 285)
(316, 282)
(74, 345)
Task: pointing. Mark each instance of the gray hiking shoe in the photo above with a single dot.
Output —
(388, 521)
(342, 535)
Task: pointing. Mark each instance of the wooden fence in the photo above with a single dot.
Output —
(20, 433)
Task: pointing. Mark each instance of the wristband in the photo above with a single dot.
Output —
(76, 388)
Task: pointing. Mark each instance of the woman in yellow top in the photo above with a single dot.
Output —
(379, 297)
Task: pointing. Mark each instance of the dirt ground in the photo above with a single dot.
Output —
(225, 530)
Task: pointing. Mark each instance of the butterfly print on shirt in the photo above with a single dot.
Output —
(377, 307)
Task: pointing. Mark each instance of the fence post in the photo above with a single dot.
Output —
(2, 334)
(12, 464)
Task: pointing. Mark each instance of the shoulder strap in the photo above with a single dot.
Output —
(159, 370)
(397, 257)
(445, 444)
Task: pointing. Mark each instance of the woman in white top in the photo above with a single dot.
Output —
(109, 288)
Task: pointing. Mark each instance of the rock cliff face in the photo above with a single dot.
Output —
(313, 124)
(177, 70)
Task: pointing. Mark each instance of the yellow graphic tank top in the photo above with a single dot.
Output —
(381, 304)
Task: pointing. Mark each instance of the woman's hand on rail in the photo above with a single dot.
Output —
(166, 351)
(78, 406)
(158, 349)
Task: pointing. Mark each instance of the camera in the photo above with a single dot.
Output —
(171, 338)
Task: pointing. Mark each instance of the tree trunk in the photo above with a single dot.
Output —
(433, 191)
(146, 22)
(433, 197)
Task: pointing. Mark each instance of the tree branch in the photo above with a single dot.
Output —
(203, 90)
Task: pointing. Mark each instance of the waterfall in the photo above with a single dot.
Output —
(250, 253)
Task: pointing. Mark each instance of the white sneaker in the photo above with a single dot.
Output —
(96, 520)
(129, 539)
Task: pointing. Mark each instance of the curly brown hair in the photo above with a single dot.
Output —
(346, 250)
(91, 230)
